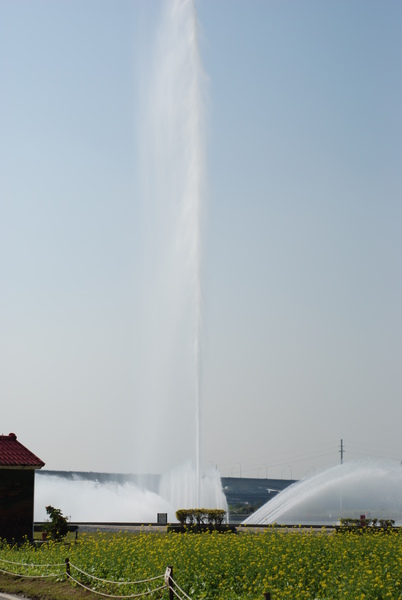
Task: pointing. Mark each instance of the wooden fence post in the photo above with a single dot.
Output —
(67, 567)
(267, 596)
(171, 595)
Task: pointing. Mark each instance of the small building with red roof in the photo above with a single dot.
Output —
(17, 484)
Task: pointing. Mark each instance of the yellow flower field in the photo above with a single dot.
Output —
(288, 564)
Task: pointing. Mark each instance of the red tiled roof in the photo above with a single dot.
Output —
(14, 454)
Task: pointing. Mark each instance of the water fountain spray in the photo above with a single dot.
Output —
(174, 135)
(167, 398)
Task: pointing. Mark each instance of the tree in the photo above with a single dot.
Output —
(57, 527)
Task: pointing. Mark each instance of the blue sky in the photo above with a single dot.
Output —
(301, 237)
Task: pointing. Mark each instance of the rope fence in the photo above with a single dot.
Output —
(32, 566)
(115, 582)
(70, 566)
(169, 584)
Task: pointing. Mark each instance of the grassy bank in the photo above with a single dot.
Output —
(41, 589)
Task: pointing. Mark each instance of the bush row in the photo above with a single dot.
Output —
(200, 516)
(364, 522)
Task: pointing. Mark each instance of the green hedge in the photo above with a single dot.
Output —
(200, 516)
(364, 522)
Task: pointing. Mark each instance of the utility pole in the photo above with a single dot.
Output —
(341, 451)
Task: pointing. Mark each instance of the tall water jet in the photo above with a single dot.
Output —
(173, 168)
(167, 402)
(372, 487)
(165, 424)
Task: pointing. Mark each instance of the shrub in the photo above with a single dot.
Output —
(200, 516)
(57, 527)
(366, 523)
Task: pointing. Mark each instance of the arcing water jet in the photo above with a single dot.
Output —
(372, 487)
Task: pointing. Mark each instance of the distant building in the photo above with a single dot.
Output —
(17, 480)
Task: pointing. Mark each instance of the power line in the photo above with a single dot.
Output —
(278, 455)
(282, 464)
(397, 451)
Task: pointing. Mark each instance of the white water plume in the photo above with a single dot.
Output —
(372, 487)
(85, 500)
(167, 403)
(168, 395)
(182, 490)
(89, 500)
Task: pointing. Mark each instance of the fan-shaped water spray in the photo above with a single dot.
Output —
(371, 487)
(182, 490)
(127, 498)
(166, 422)
(93, 501)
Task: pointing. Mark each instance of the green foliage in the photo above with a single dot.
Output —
(200, 516)
(290, 564)
(366, 523)
(57, 527)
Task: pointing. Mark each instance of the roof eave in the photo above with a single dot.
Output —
(20, 467)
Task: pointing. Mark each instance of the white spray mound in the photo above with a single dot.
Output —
(180, 488)
(90, 501)
(85, 500)
(372, 487)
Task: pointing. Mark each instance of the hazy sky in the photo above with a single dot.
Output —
(302, 244)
